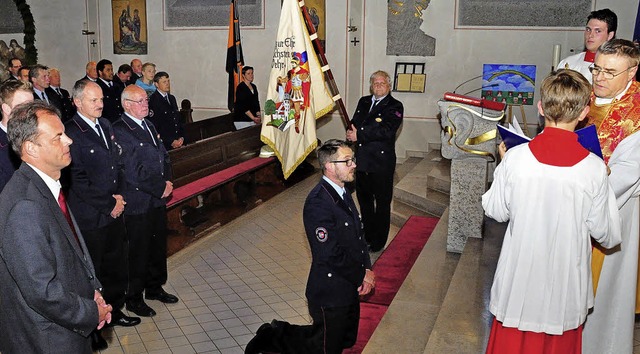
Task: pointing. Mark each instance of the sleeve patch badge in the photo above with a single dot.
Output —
(321, 234)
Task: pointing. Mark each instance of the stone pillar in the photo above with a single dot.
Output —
(468, 140)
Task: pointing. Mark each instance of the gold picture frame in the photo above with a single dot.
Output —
(129, 26)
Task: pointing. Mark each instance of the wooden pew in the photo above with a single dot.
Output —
(204, 157)
(213, 166)
(206, 128)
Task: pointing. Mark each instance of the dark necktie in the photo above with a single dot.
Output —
(375, 102)
(146, 129)
(167, 97)
(347, 199)
(58, 92)
(44, 97)
(62, 201)
(100, 135)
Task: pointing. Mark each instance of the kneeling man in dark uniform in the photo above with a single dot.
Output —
(340, 267)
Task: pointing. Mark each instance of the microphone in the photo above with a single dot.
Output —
(482, 88)
(471, 79)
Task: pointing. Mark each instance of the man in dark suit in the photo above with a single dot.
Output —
(50, 295)
(340, 267)
(136, 74)
(121, 78)
(14, 65)
(67, 107)
(12, 93)
(112, 106)
(373, 130)
(96, 182)
(91, 73)
(148, 183)
(164, 113)
(23, 74)
(39, 78)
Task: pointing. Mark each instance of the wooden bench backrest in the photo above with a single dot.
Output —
(205, 128)
(214, 154)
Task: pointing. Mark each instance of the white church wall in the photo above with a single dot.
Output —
(195, 59)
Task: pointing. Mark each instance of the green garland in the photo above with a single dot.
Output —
(29, 32)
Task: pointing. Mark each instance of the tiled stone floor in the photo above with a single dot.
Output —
(250, 271)
(247, 272)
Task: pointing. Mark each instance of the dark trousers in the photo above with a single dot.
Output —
(333, 329)
(147, 235)
(374, 191)
(108, 251)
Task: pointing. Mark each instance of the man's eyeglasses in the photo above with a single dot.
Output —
(144, 100)
(348, 162)
(608, 75)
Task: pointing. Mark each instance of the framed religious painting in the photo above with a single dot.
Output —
(317, 13)
(517, 14)
(211, 14)
(129, 19)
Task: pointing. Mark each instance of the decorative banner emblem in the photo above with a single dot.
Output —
(293, 95)
(321, 234)
(296, 93)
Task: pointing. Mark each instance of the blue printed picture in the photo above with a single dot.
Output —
(507, 83)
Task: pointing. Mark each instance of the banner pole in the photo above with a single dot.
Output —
(333, 87)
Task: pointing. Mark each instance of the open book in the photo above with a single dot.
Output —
(514, 136)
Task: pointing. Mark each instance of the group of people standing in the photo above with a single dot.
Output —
(553, 292)
(83, 208)
(93, 185)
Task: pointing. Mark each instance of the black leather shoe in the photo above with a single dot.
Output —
(161, 296)
(263, 341)
(97, 342)
(120, 319)
(140, 308)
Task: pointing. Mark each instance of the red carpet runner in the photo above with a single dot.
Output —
(391, 269)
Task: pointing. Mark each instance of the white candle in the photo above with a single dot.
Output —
(556, 56)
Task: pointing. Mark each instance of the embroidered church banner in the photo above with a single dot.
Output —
(296, 94)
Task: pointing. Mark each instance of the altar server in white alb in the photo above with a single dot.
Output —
(555, 194)
(601, 26)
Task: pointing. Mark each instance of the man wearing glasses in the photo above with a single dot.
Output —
(373, 131)
(340, 266)
(615, 110)
(148, 182)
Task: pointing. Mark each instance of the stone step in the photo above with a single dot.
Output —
(406, 325)
(433, 171)
(464, 320)
(400, 212)
(439, 177)
(433, 202)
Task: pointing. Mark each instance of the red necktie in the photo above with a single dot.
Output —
(62, 201)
